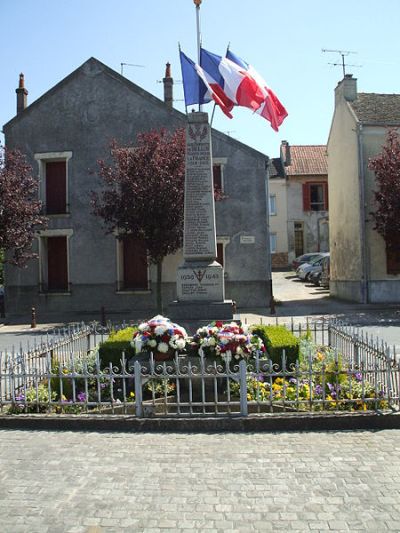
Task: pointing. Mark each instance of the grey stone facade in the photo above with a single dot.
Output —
(79, 117)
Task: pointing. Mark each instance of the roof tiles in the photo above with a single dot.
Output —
(307, 160)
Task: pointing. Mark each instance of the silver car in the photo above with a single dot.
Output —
(306, 269)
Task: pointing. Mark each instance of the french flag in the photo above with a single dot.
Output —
(235, 80)
(200, 87)
(271, 108)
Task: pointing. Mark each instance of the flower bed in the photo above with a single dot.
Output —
(320, 380)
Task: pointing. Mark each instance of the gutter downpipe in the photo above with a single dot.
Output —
(361, 177)
(269, 258)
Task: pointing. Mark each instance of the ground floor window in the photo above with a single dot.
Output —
(133, 270)
(54, 263)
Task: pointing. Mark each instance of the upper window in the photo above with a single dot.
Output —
(53, 172)
(218, 173)
(56, 187)
(217, 177)
(272, 204)
(315, 196)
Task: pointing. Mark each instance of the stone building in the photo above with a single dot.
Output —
(362, 269)
(298, 202)
(80, 269)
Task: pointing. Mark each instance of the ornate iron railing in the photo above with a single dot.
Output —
(339, 369)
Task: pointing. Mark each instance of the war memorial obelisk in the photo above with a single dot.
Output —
(200, 279)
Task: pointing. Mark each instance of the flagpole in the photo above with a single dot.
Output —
(197, 3)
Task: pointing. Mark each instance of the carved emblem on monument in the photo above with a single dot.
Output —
(199, 274)
(197, 132)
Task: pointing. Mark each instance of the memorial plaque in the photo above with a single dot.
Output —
(199, 241)
(200, 282)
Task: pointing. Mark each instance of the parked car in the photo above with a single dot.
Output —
(315, 277)
(305, 258)
(306, 269)
(325, 272)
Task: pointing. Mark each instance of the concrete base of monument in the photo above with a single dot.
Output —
(200, 310)
(200, 281)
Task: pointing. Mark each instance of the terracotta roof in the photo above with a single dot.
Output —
(307, 160)
(377, 108)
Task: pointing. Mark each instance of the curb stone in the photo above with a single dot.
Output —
(253, 423)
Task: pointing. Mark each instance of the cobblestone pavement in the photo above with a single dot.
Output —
(112, 482)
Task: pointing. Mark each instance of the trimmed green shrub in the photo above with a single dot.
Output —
(277, 339)
(110, 351)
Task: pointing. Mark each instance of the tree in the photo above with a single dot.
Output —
(144, 194)
(386, 166)
(20, 216)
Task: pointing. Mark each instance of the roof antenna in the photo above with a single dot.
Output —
(129, 65)
(343, 53)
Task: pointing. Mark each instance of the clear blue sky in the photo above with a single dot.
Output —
(48, 39)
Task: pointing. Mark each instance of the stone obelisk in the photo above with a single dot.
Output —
(200, 279)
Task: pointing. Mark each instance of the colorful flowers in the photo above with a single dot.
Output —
(160, 335)
(227, 341)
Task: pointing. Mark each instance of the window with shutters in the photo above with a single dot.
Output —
(54, 261)
(53, 173)
(56, 187)
(217, 177)
(218, 173)
(315, 196)
(393, 254)
(133, 270)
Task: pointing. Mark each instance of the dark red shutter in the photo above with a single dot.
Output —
(217, 175)
(56, 187)
(393, 254)
(306, 197)
(220, 253)
(135, 263)
(57, 264)
(326, 197)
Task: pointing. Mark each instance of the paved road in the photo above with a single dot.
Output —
(102, 482)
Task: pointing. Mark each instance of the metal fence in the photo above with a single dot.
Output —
(339, 369)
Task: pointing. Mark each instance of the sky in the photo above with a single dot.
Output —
(283, 40)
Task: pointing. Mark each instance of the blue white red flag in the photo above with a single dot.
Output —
(271, 108)
(200, 87)
(236, 82)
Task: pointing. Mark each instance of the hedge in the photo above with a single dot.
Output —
(110, 351)
(277, 339)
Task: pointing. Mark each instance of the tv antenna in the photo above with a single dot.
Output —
(343, 53)
(129, 65)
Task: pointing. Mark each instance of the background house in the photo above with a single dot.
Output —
(80, 269)
(361, 269)
(298, 199)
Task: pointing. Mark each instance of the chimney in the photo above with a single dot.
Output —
(22, 94)
(168, 84)
(285, 154)
(346, 89)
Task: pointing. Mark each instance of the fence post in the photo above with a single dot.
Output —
(356, 351)
(138, 389)
(33, 318)
(388, 374)
(243, 388)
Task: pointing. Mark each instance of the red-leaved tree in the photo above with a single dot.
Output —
(386, 166)
(20, 216)
(144, 194)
